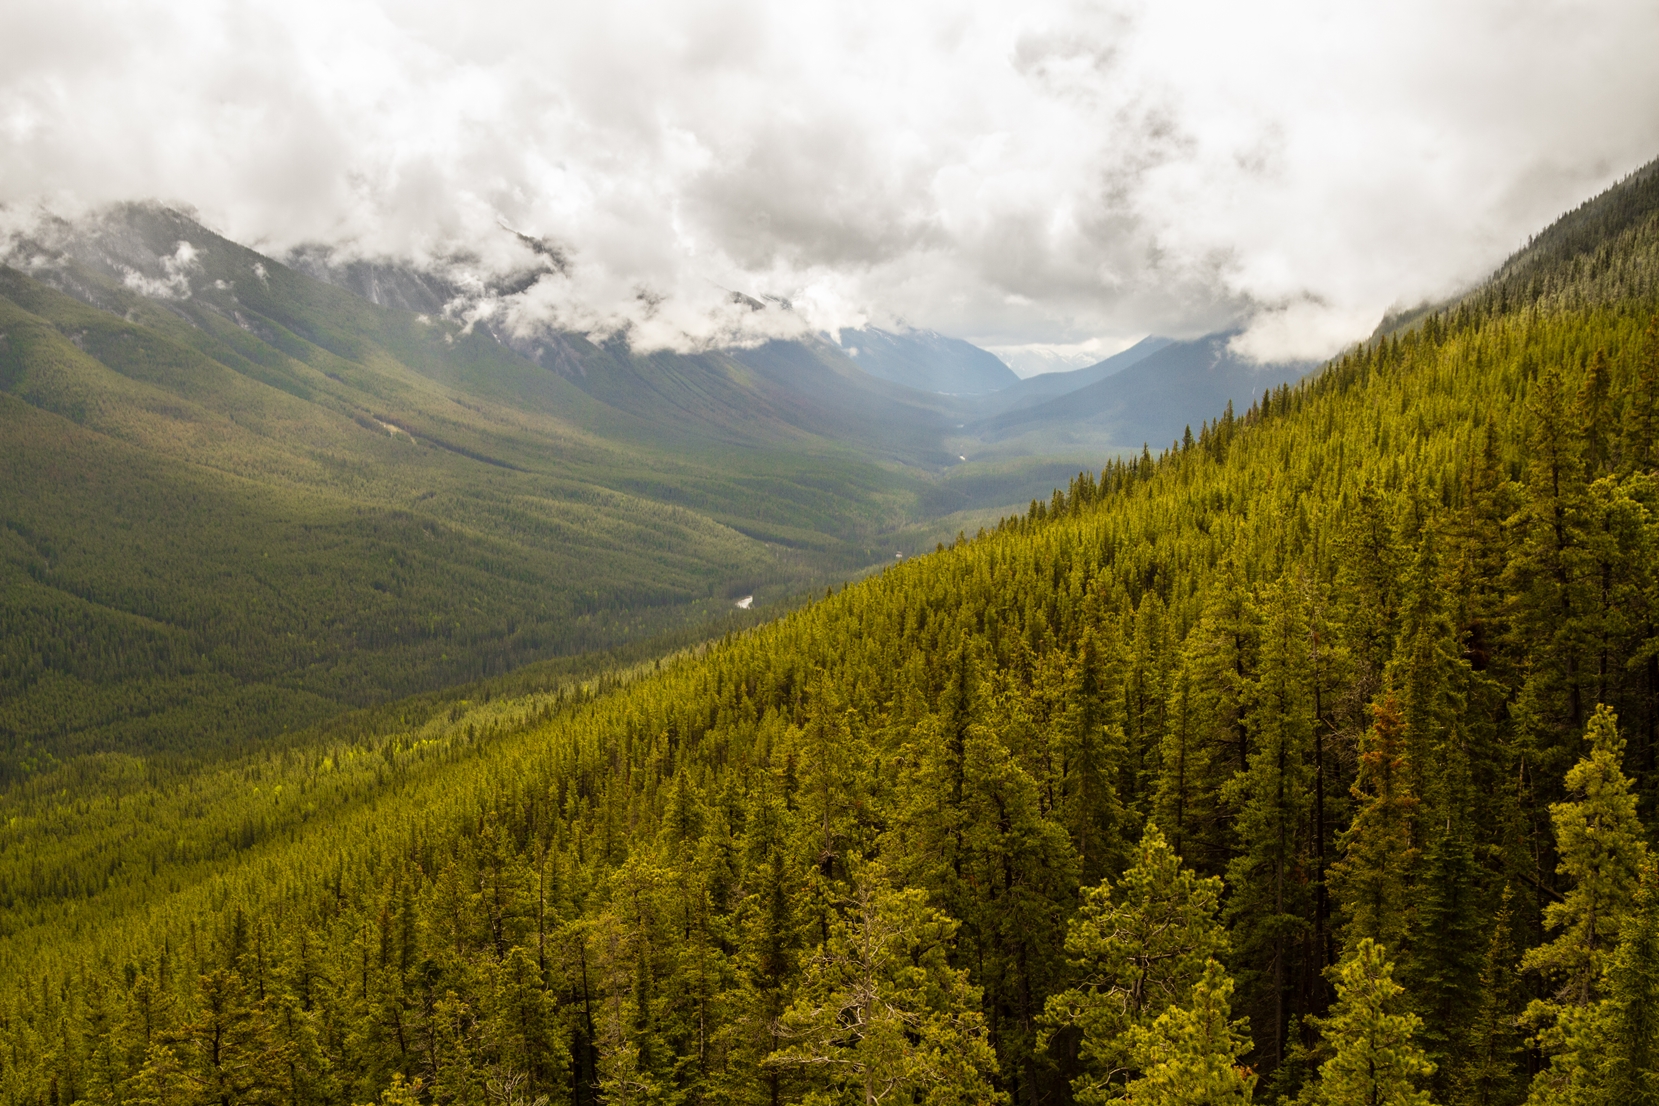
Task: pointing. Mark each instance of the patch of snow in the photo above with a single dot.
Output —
(745, 603)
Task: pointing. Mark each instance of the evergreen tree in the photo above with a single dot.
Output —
(1630, 1045)
(1373, 879)
(767, 936)
(1600, 843)
(1147, 695)
(1374, 1059)
(1137, 950)
(233, 1053)
(1547, 575)
(1489, 1068)
(1189, 1055)
(1444, 972)
(1091, 745)
(1181, 764)
(1594, 414)
(1428, 673)
(1606, 1050)
(1369, 584)
(1271, 904)
(880, 1015)
(1641, 429)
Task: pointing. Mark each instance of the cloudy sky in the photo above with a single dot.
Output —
(1029, 175)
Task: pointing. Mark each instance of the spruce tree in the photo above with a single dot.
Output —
(1443, 973)
(1271, 906)
(1601, 848)
(1091, 745)
(1606, 1051)
(1489, 1068)
(1427, 673)
(1184, 798)
(1373, 879)
(1641, 428)
(234, 1055)
(1630, 1045)
(1547, 578)
(1594, 414)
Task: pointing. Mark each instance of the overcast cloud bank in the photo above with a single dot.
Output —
(700, 173)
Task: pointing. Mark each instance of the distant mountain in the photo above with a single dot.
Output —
(1029, 361)
(766, 394)
(1035, 389)
(384, 284)
(1153, 400)
(927, 361)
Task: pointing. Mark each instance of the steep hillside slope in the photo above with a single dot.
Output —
(1605, 251)
(1342, 649)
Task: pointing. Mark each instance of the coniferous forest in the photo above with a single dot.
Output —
(1311, 759)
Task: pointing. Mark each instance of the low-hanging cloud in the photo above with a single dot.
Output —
(1042, 174)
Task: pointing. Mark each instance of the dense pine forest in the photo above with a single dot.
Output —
(1311, 759)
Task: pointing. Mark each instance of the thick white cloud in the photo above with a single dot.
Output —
(1038, 173)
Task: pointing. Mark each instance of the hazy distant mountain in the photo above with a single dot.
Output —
(927, 361)
(1035, 389)
(384, 284)
(1153, 400)
(1028, 361)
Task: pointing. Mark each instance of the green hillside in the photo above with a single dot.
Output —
(1312, 758)
(237, 500)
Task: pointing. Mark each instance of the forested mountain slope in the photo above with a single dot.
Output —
(1341, 717)
(237, 500)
